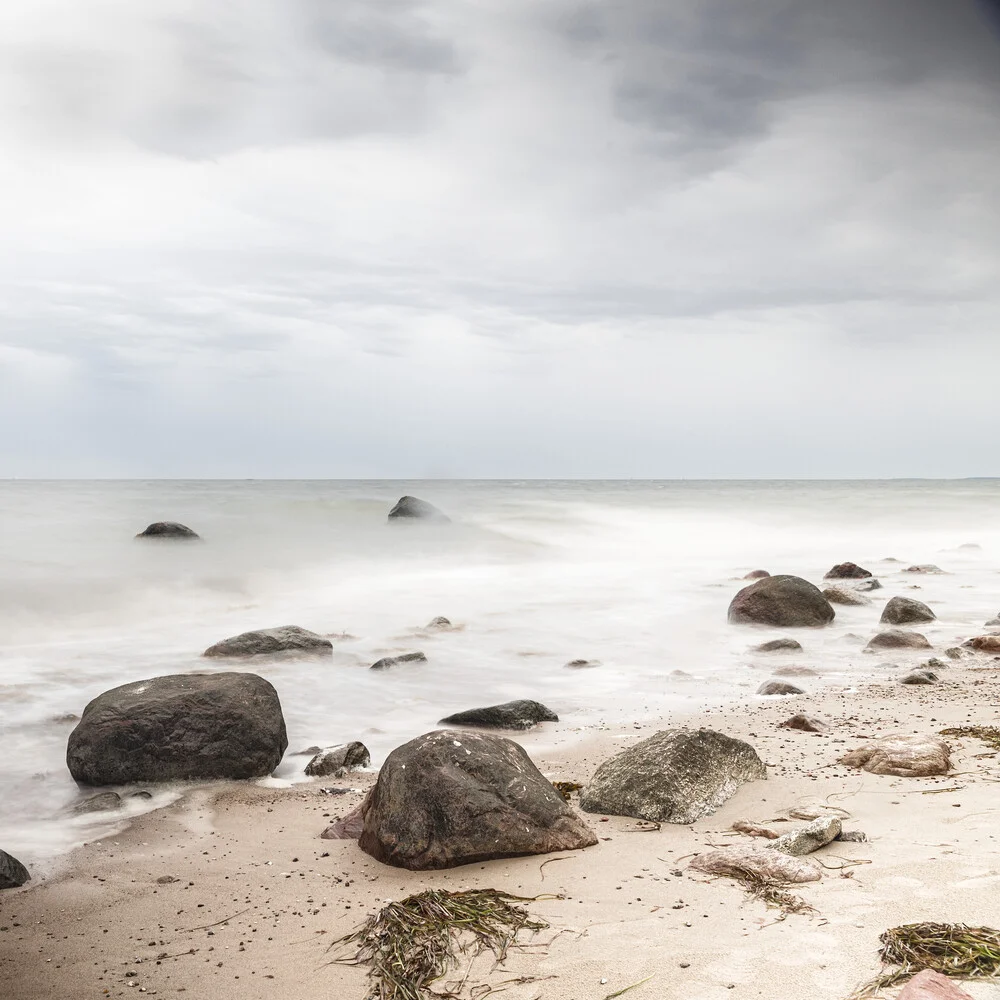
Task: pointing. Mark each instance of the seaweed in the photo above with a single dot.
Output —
(566, 788)
(990, 735)
(772, 892)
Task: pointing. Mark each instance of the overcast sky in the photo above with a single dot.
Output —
(394, 238)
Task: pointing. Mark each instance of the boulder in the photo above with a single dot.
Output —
(919, 677)
(757, 574)
(923, 568)
(742, 859)
(780, 646)
(984, 644)
(412, 508)
(896, 638)
(179, 727)
(454, 798)
(784, 601)
(337, 761)
(905, 611)
(863, 586)
(168, 530)
(809, 838)
(388, 662)
(12, 872)
(286, 641)
(509, 715)
(931, 985)
(676, 776)
(805, 723)
(847, 571)
(908, 756)
(778, 687)
(840, 595)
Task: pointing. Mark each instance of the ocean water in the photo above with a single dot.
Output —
(635, 575)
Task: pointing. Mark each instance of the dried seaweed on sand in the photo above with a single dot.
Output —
(990, 735)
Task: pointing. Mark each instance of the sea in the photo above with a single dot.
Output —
(633, 577)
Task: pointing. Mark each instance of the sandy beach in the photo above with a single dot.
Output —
(231, 892)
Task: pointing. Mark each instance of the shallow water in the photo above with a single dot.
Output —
(636, 575)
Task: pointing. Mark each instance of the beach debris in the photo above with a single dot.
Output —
(335, 762)
(168, 530)
(990, 735)
(220, 725)
(754, 830)
(864, 586)
(779, 646)
(851, 837)
(453, 797)
(809, 838)
(779, 688)
(675, 776)
(102, 802)
(523, 714)
(952, 950)
(413, 508)
(782, 601)
(923, 568)
(285, 641)
(930, 985)
(841, 595)
(805, 723)
(583, 664)
(621, 992)
(847, 571)
(905, 755)
(921, 676)
(896, 638)
(387, 662)
(757, 574)
(411, 944)
(906, 611)
(12, 873)
(984, 644)
(566, 788)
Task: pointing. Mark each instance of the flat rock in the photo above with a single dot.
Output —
(583, 664)
(285, 641)
(780, 646)
(923, 568)
(168, 530)
(931, 985)
(12, 872)
(896, 638)
(796, 671)
(984, 644)
(510, 715)
(102, 802)
(413, 508)
(809, 838)
(906, 611)
(841, 595)
(805, 723)
(738, 860)
(676, 776)
(778, 688)
(388, 662)
(783, 601)
(908, 756)
(847, 571)
(337, 761)
(453, 797)
(179, 727)
(919, 677)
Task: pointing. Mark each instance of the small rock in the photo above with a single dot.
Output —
(779, 646)
(851, 837)
(935, 664)
(906, 611)
(955, 653)
(795, 671)
(167, 879)
(754, 830)
(387, 662)
(923, 568)
(992, 623)
(12, 872)
(141, 795)
(907, 756)
(809, 838)
(287, 640)
(583, 664)
(739, 859)
(511, 715)
(308, 752)
(847, 571)
(919, 677)
(930, 985)
(841, 595)
(439, 624)
(168, 530)
(805, 724)
(348, 827)
(984, 644)
(337, 761)
(864, 586)
(779, 688)
(781, 601)
(895, 638)
(104, 802)
(756, 574)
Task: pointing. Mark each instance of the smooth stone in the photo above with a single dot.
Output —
(337, 761)
(783, 601)
(12, 873)
(984, 644)
(387, 662)
(847, 571)
(930, 985)
(103, 802)
(757, 574)
(510, 715)
(287, 640)
(907, 756)
(895, 638)
(779, 645)
(772, 866)
(864, 586)
(840, 595)
(919, 677)
(906, 611)
(805, 723)
(583, 664)
(439, 624)
(809, 838)
(923, 568)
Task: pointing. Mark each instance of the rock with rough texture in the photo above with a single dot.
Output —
(286, 641)
(780, 646)
(841, 595)
(103, 802)
(785, 601)
(851, 837)
(676, 776)
(510, 715)
(863, 586)
(847, 571)
(179, 727)
(896, 638)
(168, 530)
(805, 723)
(336, 761)
(809, 838)
(757, 574)
(12, 872)
(413, 508)
(779, 688)
(984, 644)
(919, 677)
(388, 662)
(452, 797)
(752, 829)
(923, 568)
(908, 756)
(906, 611)
(931, 985)
(739, 860)
(439, 624)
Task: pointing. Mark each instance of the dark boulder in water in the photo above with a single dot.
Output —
(335, 762)
(287, 641)
(415, 508)
(779, 687)
(779, 646)
(896, 638)
(454, 798)
(179, 727)
(388, 662)
(168, 530)
(904, 611)
(787, 601)
(510, 715)
(847, 571)
(12, 872)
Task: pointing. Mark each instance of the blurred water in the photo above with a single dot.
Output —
(636, 575)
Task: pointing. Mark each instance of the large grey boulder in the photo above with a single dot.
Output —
(905, 611)
(453, 798)
(676, 776)
(168, 530)
(786, 601)
(12, 872)
(510, 715)
(179, 727)
(413, 508)
(286, 641)
(897, 638)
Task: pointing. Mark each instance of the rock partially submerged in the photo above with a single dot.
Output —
(896, 638)
(388, 662)
(440, 624)
(676, 776)
(784, 601)
(919, 677)
(12, 872)
(760, 862)
(983, 644)
(906, 611)
(779, 688)
(413, 508)
(780, 646)
(335, 762)
(923, 568)
(841, 595)
(757, 574)
(809, 838)
(285, 641)
(168, 530)
(908, 756)
(453, 798)
(510, 715)
(102, 802)
(805, 723)
(866, 585)
(179, 727)
(583, 664)
(847, 571)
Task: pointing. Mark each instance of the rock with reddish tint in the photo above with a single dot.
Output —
(778, 688)
(12, 873)
(335, 762)
(754, 830)
(984, 644)
(930, 985)
(783, 601)
(805, 724)
(907, 756)
(285, 641)
(348, 827)
(896, 638)
(906, 611)
(757, 574)
(780, 646)
(847, 571)
(453, 797)
(739, 860)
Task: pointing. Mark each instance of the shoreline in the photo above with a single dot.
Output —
(249, 860)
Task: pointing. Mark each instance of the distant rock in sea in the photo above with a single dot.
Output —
(169, 530)
(847, 571)
(413, 508)
(905, 611)
(511, 715)
(287, 640)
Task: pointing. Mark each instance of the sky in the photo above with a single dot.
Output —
(499, 238)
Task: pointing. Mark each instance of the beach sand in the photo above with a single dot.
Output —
(259, 897)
